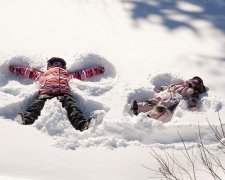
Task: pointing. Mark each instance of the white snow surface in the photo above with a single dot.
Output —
(141, 44)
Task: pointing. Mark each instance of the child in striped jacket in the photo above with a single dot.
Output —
(54, 82)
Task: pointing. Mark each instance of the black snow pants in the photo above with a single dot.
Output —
(73, 112)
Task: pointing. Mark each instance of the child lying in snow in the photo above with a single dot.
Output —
(54, 82)
(164, 103)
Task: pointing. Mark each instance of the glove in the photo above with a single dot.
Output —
(99, 70)
(11, 68)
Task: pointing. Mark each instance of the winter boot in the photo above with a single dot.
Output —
(19, 118)
(87, 124)
(134, 107)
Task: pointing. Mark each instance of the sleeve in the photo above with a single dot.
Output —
(88, 73)
(26, 72)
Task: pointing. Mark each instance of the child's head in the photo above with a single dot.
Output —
(56, 62)
(197, 84)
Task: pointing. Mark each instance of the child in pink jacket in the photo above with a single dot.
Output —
(164, 103)
(54, 82)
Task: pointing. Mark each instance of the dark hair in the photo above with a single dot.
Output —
(198, 79)
(50, 61)
(201, 88)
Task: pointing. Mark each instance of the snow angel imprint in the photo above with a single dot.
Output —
(54, 82)
(162, 106)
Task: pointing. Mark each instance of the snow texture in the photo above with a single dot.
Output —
(141, 44)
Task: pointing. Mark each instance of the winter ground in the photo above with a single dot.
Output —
(141, 44)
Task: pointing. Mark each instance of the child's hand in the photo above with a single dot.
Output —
(99, 70)
(11, 68)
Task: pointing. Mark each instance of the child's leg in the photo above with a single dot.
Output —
(32, 113)
(144, 107)
(163, 116)
(75, 115)
(147, 105)
(138, 107)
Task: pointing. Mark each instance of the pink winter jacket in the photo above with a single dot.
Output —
(162, 105)
(55, 80)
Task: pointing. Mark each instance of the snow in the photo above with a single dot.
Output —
(141, 44)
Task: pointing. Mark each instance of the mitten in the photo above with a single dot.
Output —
(99, 70)
(11, 68)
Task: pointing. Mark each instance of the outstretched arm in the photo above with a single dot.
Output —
(88, 73)
(25, 72)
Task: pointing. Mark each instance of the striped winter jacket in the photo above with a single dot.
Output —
(55, 80)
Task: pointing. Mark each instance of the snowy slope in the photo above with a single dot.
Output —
(141, 44)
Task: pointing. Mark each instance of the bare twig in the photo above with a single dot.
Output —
(188, 156)
(170, 167)
(207, 156)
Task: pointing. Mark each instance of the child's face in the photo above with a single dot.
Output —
(192, 83)
(57, 64)
(195, 85)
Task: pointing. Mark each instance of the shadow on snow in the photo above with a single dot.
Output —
(207, 10)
